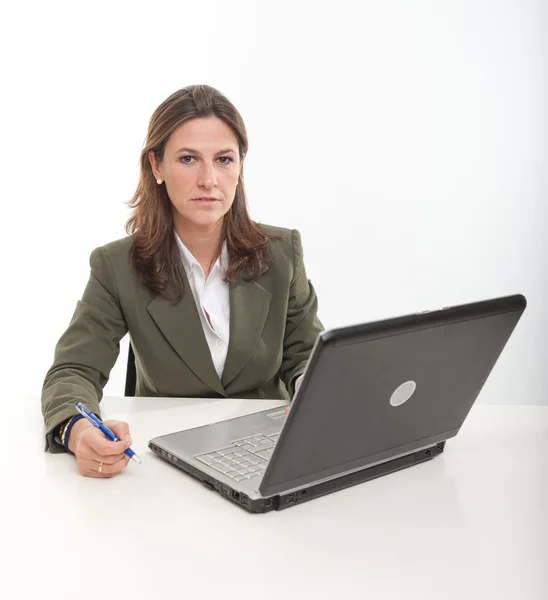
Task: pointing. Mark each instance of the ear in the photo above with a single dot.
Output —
(155, 166)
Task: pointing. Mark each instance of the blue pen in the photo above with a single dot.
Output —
(100, 425)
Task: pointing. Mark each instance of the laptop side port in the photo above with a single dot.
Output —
(240, 497)
(292, 499)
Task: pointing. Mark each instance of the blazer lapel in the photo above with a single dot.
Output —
(249, 306)
(181, 325)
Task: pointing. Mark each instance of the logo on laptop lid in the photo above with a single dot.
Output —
(403, 393)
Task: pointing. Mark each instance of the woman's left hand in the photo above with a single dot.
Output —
(297, 386)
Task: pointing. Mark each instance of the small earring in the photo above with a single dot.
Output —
(159, 181)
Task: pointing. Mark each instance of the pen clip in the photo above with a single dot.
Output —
(87, 414)
(81, 409)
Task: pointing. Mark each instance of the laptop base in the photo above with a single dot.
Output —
(282, 501)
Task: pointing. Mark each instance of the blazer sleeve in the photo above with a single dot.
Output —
(87, 350)
(302, 322)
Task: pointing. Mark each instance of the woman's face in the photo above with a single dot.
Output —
(200, 168)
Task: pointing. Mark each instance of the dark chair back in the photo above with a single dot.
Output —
(131, 374)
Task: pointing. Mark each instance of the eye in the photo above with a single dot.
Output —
(227, 158)
(186, 162)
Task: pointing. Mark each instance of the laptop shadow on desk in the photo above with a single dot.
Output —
(390, 520)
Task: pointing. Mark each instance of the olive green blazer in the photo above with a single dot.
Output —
(273, 327)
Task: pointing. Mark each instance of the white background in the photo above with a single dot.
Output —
(406, 140)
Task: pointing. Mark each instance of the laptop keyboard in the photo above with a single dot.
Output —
(244, 459)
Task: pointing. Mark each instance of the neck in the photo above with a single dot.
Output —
(203, 242)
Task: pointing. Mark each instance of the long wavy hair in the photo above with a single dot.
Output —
(154, 254)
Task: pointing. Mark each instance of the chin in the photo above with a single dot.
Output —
(205, 220)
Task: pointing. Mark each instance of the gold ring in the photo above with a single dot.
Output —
(100, 469)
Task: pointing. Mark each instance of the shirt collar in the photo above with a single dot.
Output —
(189, 262)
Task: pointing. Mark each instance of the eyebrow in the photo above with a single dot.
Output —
(226, 151)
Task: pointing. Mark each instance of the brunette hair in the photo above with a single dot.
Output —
(154, 254)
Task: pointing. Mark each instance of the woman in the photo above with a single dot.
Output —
(216, 305)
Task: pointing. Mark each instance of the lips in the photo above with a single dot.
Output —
(205, 199)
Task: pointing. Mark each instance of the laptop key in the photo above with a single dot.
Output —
(225, 451)
(222, 468)
(263, 447)
(247, 455)
(266, 454)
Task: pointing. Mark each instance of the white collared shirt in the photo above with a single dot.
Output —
(211, 296)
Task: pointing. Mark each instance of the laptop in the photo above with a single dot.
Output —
(375, 398)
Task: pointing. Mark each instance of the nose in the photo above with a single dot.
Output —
(207, 177)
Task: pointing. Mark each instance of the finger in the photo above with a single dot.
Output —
(120, 429)
(91, 468)
(101, 445)
(87, 453)
(109, 470)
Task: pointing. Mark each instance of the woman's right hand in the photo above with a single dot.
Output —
(96, 455)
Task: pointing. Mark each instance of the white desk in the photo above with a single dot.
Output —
(473, 523)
